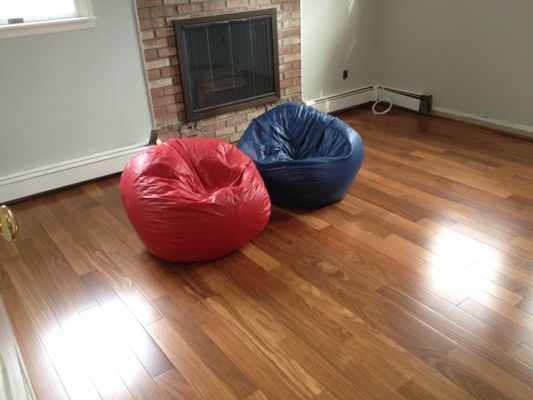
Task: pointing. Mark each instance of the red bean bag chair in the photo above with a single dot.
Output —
(194, 199)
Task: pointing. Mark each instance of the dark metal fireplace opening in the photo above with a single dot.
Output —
(228, 62)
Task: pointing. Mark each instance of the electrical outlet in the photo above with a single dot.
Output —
(11, 21)
(345, 74)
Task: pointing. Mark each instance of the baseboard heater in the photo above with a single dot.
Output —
(343, 101)
(421, 103)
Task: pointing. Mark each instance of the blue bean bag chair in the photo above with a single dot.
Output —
(306, 158)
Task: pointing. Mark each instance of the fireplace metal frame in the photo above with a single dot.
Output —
(180, 24)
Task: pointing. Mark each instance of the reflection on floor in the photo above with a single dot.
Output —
(419, 285)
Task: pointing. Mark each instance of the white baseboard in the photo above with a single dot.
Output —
(342, 101)
(493, 123)
(54, 176)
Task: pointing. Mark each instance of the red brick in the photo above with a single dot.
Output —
(165, 11)
(290, 32)
(283, 16)
(285, 84)
(237, 3)
(152, 23)
(235, 137)
(175, 1)
(172, 108)
(255, 3)
(291, 74)
(236, 120)
(163, 32)
(164, 101)
(154, 43)
(154, 74)
(225, 115)
(171, 90)
(159, 63)
(214, 126)
(158, 83)
(291, 23)
(253, 114)
(147, 34)
(143, 13)
(169, 71)
(167, 119)
(150, 55)
(157, 92)
(188, 130)
(285, 67)
(214, 5)
(242, 127)
(290, 41)
(148, 3)
(293, 90)
(167, 51)
(189, 8)
(159, 111)
(225, 131)
(292, 5)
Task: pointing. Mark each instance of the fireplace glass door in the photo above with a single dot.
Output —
(228, 62)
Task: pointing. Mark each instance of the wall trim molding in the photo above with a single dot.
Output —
(54, 176)
(43, 27)
(524, 131)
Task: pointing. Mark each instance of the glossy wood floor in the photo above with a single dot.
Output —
(419, 285)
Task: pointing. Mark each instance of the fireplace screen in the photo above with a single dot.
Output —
(228, 62)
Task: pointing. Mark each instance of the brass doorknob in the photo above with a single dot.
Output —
(8, 224)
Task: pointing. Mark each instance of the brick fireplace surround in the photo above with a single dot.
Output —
(155, 19)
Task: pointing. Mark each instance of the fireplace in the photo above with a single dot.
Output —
(228, 62)
(163, 65)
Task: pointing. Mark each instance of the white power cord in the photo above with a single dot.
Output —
(380, 100)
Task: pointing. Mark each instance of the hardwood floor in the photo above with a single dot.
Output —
(418, 285)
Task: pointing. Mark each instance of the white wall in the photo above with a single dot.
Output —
(474, 56)
(70, 94)
(337, 35)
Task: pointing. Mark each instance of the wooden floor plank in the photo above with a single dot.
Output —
(200, 343)
(142, 344)
(46, 382)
